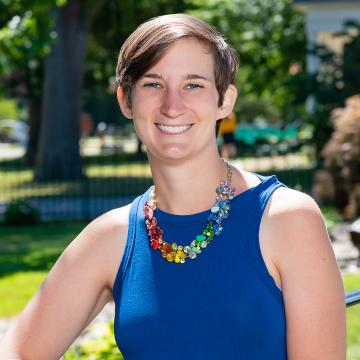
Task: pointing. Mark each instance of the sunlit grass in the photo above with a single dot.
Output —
(26, 256)
(352, 282)
(17, 289)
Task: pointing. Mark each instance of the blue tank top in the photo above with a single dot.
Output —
(222, 305)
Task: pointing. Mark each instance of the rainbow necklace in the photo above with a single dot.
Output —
(178, 253)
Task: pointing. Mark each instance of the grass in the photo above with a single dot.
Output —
(27, 254)
(352, 282)
(17, 289)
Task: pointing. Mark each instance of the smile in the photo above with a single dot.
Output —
(173, 129)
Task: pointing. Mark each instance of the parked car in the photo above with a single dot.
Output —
(14, 131)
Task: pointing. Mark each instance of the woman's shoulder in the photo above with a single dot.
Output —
(292, 227)
(108, 227)
(104, 241)
(111, 221)
(290, 211)
(287, 202)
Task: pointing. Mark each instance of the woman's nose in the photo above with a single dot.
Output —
(172, 104)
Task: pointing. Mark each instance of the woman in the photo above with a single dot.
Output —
(215, 262)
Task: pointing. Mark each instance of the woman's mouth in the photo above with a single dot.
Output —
(173, 129)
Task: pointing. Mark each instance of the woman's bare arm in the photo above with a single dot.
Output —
(311, 281)
(75, 290)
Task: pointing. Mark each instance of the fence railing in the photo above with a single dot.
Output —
(352, 298)
(111, 180)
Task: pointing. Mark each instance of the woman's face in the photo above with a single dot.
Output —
(175, 103)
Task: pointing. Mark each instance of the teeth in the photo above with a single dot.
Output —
(173, 129)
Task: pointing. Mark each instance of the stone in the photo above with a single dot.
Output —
(217, 230)
(215, 209)
(166, 248)
(171, 256)
(211, 216)
(192, 255)
(186, 249)
(155, 244)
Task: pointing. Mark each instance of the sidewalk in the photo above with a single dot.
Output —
(346, 253)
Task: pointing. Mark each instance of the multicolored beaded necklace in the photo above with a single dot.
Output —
(178, 253)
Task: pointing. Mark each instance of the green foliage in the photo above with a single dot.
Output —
(101, 347)
(20, 212)
(337, 78)
(351, 59)
(269, 37)
(331, 217)
(9, 109)
(25, 39)
(110, 28)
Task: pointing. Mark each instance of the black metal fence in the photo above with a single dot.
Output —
(111, 180)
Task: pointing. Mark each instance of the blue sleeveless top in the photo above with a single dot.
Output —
(222, 305)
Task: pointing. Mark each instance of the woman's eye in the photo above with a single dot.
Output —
(152, 85)
(193, 86)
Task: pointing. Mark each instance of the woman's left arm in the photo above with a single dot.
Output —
(310, 277)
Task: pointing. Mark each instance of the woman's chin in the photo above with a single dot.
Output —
(173, 152)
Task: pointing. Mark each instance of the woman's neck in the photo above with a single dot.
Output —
(187, 187)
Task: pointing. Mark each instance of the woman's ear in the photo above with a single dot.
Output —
(123, 102)
(228, 104)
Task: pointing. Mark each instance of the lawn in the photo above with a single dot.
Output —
(27, 254)
(352, 282)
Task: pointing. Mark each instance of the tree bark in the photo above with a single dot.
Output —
(59, 154)
(34, 129)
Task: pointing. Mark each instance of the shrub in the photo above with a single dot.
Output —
(342, 157)
(331, 217)
(20, 212)
(103, 346)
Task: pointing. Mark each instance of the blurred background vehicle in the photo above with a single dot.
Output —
(14, 131)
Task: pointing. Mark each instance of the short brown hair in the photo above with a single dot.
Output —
(149, 42)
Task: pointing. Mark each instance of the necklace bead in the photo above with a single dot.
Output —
(178, 253)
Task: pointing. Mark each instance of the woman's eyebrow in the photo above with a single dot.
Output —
(153, 76)
(186, 77)
(196, 76)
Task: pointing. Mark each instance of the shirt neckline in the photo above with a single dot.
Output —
(165, 218)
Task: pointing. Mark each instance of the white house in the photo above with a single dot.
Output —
(323, 19)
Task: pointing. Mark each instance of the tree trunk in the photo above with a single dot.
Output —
(34, 129)
(59, 154)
